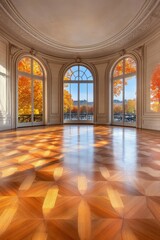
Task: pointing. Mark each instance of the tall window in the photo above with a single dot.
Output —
(78, 95)
(30, 92)
(124, 92)
(155, 90)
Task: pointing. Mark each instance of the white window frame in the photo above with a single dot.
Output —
(32, 77)
(123, 76)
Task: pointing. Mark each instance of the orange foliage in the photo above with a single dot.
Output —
(74, 109)
(117, 87)
(25, 88)
(83, 109)
(90, 110)
(37, 69)
(24, 65)
(155, 90)
(130, 67)
(25, 96)
(118, 70)
(130, 106)
(38, 97)
(117, 108)
(68, 101)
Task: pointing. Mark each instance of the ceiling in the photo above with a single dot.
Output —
(86, 28)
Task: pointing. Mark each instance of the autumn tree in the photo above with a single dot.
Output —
(24, 96)
(117, 109)
(90, 109)
(130, 106)
(68, 101)
(130, 67)
(83, 109)
(74, 109)
(38, 97)
(25, 89)
(155, 89)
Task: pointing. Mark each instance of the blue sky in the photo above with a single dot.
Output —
(86, 89)
(130, 90)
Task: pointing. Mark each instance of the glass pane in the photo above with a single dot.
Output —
(24, 99)
(25, 65)
(155, 90)
(82, 73)
(37, 70)
(71, 74)
(118, 70)
(130, 100)
(118, 100)
(74, 96)
(90, 101)
(130, 65)
(83, 101)
(38, 100)
(85, 74)
(68, 101)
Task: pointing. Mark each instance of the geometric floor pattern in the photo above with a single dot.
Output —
(80, 182)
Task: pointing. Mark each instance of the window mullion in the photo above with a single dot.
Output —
(123, 89)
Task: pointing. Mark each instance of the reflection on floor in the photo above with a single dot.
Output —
(80, 182)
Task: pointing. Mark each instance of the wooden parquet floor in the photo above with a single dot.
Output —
(80, 183)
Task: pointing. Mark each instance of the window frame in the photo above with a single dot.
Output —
(79, 82)
(33, 77)
(123, 76)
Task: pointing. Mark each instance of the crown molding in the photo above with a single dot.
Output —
(14, 25)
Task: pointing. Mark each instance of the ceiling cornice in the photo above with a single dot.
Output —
(145, 21)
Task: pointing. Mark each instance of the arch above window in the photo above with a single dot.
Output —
(30, 66)
(78, 73)
(125, 66)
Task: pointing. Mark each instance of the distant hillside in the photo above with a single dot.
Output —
(83, 102)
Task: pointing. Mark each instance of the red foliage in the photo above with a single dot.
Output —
(155, 84)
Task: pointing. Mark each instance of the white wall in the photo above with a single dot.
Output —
(5, 119)
(54, 92)
(150, 120)
(55, 98)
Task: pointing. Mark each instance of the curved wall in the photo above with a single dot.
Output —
(146, 53)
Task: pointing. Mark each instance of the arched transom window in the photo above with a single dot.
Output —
(78, 94)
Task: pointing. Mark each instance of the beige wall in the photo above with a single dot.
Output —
(55, 99)
(150, 120)
(102, 96)
(54, 84)
(5, 86)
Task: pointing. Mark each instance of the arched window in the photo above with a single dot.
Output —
(155, 90)
(124, 92)
(30, 92)
(78, 95)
